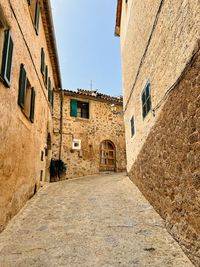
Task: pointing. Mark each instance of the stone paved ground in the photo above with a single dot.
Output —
(94, 221)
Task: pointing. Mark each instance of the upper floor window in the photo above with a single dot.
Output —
(146, 100)
(7, 55)
(42, 68)
(46, 76)
(79, 109)
(132, 126)
(50, 92)
(34, 8)
(26, 96)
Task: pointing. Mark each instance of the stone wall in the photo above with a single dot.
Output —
(102, 125)
(22, 142)
(158, 42)
(167, 169)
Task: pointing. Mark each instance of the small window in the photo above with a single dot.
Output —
(132, 127)
(146, 100)
(42, 62)
(76, 144)
(6, 65)
(26, 97)
(42, 155)
(41, 175)
(79, 109)
(34, 8)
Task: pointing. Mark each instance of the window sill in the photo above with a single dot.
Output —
(4, 82)
(24, 119)
(147, 116)
(80, 119)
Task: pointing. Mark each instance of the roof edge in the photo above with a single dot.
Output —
(86, 94)
(118, 18)
(52, 35)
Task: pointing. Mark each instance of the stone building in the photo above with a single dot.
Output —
(89, 132)
(29, 72)
(161, 91)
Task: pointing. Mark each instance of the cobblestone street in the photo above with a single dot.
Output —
(93, 221)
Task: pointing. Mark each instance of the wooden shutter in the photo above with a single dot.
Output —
(52, 98)
(49, 90)
(32, 108)
(7, 58)
(42, 61)
(132, 126)
(73, 108)
(46, 76)
(37, 16)
(22, 86)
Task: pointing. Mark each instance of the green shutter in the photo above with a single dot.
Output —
(49, 90)
(32, 109)
(52, 98)
(7, 58)
(22, 86)
(42, 61)
(73, 108)
(37, 16)
(46, 76)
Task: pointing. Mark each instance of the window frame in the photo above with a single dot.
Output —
(146, 100)
(35, 15)
(42, 67)
(74, 114)
(7, 58)
(132, 122)
(22, 92)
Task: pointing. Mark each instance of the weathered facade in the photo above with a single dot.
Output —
(29, 72)
(88, 132)
(161, 88)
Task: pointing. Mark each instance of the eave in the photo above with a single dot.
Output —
(118, 18)
(47, 19)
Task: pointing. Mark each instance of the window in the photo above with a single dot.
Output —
(46, 76)
(42, 62)
(50, 93)
(146, 100)
(26, 97)
(79, 109)
(6, 65)
(34, 8)
(132, 127)
(49, 89)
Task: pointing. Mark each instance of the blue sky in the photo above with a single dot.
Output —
(87, 47)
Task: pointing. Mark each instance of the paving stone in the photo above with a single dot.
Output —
(92, 221)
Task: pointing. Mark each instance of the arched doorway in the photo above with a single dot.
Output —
(107, 156)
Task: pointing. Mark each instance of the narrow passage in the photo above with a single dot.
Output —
(92, 221)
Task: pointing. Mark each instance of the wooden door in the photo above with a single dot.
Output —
(107, 156)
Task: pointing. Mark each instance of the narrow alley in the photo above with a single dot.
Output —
(92, 221)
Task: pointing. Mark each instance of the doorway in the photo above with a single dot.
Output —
(107, 156)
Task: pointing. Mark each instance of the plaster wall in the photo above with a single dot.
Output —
(157, 42)
(22, 141)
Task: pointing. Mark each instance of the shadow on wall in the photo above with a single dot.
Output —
(58, 170)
